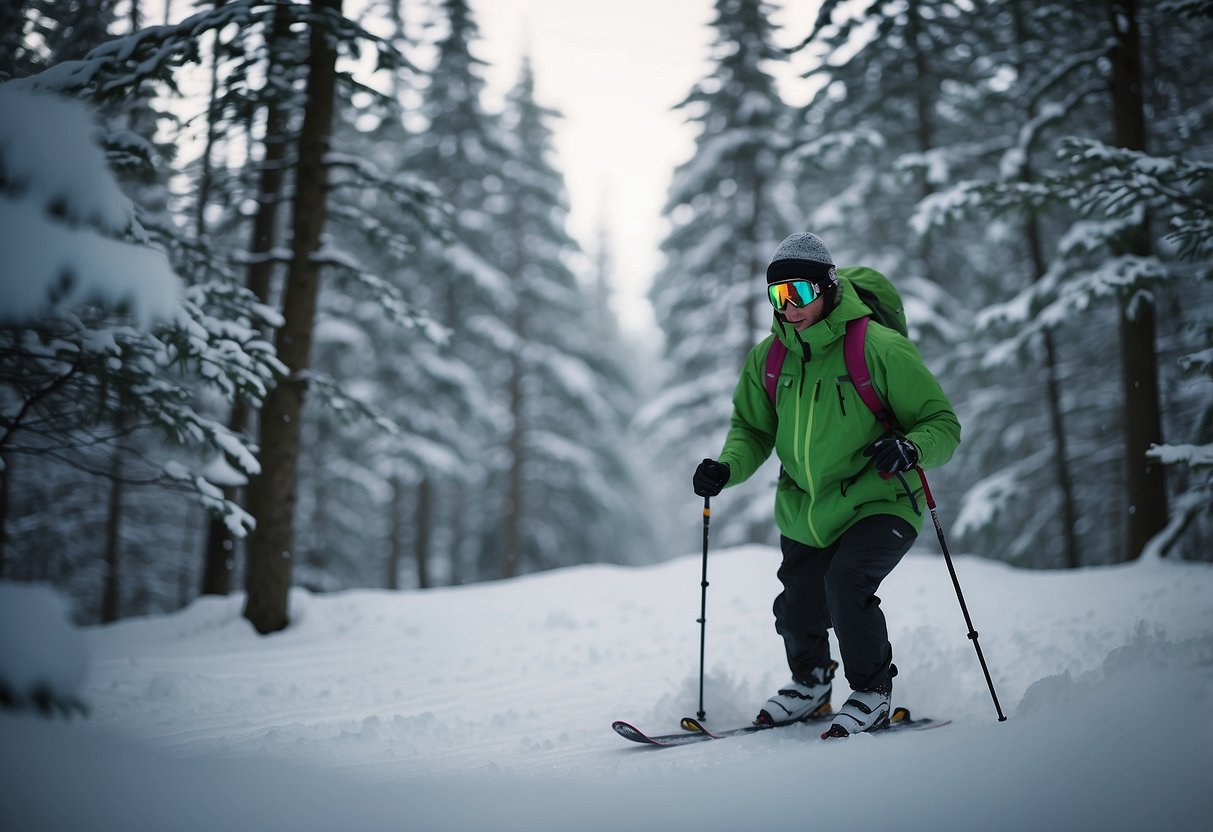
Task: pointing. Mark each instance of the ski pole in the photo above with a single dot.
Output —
(943, 544)
(703, 602)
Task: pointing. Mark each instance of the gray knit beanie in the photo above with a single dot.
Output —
(802, 255)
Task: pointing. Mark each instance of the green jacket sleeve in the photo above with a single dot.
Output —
(914, 395)
(752, 428)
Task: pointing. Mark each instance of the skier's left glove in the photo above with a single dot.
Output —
(892, 455)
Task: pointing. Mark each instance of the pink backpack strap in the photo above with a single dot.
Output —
(857, 367)
(775, 356)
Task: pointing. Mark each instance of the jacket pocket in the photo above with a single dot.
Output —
(840, 387)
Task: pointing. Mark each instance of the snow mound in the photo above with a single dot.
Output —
(43, 661)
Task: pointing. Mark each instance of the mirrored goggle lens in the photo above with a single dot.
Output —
(796, 292)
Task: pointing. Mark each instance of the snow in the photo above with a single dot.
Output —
(488, 707)
(39, 649)
(62, 215)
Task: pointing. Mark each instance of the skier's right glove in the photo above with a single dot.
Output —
(710, 477)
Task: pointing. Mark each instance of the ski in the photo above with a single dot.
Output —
(901, 720)
(697, 732)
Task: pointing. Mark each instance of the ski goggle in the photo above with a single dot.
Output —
(796, 292)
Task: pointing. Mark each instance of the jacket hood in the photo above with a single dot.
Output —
(825, 332)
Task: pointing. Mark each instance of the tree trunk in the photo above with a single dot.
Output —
(111, 593)
(6, 474)
(1146, 479)
(511, 555)
(425, 535)
(12, 23)
(924, 102)
(185, 577)
(395, 552)
(206, 177)
(1065, 483)
(220, 553)
(273, 495)
(457, 535)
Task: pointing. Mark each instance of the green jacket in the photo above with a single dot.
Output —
(820, 426)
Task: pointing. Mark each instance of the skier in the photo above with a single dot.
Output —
(848, 503)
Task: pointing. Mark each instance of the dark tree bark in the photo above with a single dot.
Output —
(395, 551)
(6, 474)
(111, 591)
(273, 494)
(1146, 479)
(12, 29)
(511, 553)
(220, 553)
(425, 532)
(1065, 483)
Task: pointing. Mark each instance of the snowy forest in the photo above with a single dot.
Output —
(284, 301)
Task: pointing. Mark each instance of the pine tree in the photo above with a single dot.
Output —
(273, 493)
(463, 152)
(566, 477)
(728, 212)
(1101, 192)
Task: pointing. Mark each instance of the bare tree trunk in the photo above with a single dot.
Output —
(457, 536)
(1147, 486)
(273, 494)
(12, 26)
(6, 474)
(395, 552)
(1061, 456)
(111, 593)
(924, 102)
(425, 517)
(1069, 514)
(185, 577)
(220, 553)
(511, 554)
(206, 178)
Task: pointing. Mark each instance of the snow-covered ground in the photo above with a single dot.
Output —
(489, 708)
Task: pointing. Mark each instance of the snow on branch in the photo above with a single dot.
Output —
(115, 67)
(1194, 456)
(835, 148)
(334, 397)
(397, 309)
(1058, 298)
(689, 180)
(65, 223)
(419, 198)
(984, 501)
(1121, 182)
(1189, 9)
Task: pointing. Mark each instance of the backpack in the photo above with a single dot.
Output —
(882, 297)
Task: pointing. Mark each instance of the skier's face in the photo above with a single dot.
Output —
(802, 317)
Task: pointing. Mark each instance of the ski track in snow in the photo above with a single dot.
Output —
(528, 674)
(522, 678)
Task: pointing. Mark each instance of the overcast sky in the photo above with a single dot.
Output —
(615, 68)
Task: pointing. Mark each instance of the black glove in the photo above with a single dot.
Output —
(710, 477)
(892, 455)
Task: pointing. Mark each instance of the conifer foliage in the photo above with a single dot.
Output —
(728, 207)
(372, 320)
(1033, 177)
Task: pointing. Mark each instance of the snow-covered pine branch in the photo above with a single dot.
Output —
(114, 68)
(349, 272)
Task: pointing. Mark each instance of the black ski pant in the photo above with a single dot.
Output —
(836, 586)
